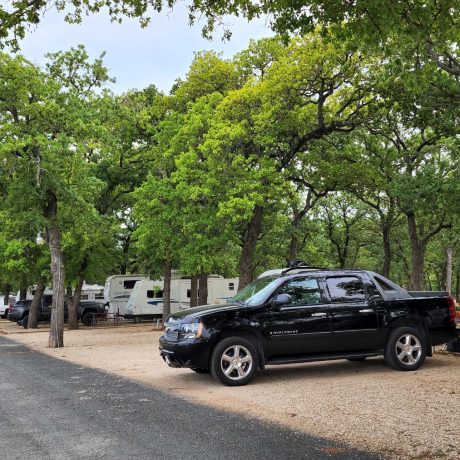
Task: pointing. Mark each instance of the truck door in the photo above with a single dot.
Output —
(354, 318)
(301, 328)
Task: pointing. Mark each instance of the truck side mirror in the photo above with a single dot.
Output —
(280, 300)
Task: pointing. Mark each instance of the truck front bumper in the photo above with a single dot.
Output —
(186, 353)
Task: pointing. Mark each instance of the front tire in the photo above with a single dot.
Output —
(234, 361)
(405, 349)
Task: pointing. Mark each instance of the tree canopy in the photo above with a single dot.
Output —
(338, 146)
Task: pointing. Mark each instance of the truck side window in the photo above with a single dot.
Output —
(304, 291)
(384, 286)
(346, 289)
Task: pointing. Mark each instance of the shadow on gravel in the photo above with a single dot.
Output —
(92, 414)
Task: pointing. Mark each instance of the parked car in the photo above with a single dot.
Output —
(16, 311)
(307, 314)
(85, 311)
(3, 309)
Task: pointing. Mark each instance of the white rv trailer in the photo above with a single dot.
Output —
(146, 299)
(88, 292)
(117, 290)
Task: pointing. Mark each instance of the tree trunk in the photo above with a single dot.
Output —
(203, 289)
(457, 287)
(294, 244)
(56, 335)
(194, 291)
(418, 254)
(166, 289)
(386, 231)
(33, 311)
(72, 304)
(449, 263)
(125, 250)
(6, 298)
(22, 293)
(418, 262)
(430, 286)
(251, 236)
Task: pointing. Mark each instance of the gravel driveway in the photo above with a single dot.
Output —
(364, 405)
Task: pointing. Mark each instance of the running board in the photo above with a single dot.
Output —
(306, 359)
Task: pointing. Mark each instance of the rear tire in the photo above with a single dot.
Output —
(405, 349)
(234, 361)
(25, 322)
(87, 319)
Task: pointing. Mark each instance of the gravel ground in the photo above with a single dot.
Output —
(413, 415)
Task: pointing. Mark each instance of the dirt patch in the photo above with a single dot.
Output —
(365, 405)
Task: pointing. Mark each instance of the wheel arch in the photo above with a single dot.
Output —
(248, 333)
(415, 321)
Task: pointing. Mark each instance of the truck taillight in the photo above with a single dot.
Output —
(451, 302)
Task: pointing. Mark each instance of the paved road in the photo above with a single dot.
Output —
(50, 409)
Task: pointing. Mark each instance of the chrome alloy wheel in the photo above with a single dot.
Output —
(408, 349)
(236, 362)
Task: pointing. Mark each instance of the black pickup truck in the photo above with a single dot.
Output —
(85, 310)
(307, 314)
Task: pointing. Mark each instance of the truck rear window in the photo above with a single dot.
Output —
(346, 289)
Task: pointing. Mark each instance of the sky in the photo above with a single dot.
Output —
(136, 57)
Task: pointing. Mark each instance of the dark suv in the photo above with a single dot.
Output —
(307, 314)
(86, 311)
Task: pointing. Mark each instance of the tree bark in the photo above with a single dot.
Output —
(6, 298)
(386, 232)
(251, 236)
(203, 289)
(294, 244)
(418, 254)
(22, 293)
(449, 264)
(194, 291)
(166, 289)
(33, 311)
(56, 335)
(72, 304)
(457, 287)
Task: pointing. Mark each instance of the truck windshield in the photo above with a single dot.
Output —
(256, 292)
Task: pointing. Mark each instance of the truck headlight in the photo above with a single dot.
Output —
(191, 330)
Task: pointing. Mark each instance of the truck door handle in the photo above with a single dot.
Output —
(319, 315)
(367, 310)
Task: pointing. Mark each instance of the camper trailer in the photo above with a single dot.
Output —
(146, 300)
(117, 290)
(93, 292)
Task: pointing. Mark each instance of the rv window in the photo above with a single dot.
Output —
(84, 297)
(150, 294)
(129, 284)
(159, 295)
(231, 286)
(189, 293)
